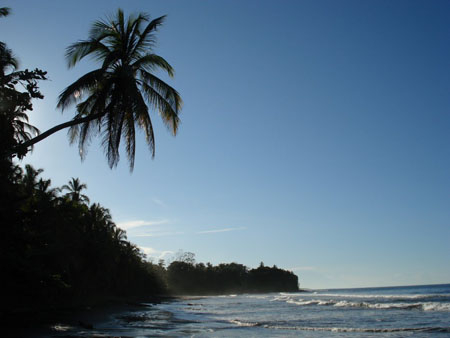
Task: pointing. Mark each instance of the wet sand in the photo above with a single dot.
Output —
(55, 322)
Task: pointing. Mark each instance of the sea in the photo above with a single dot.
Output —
(406, 311)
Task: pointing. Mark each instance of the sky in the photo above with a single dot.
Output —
(314, 135)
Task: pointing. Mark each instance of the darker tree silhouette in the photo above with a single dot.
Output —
(75, 187)
(61, 252)
(186, 277)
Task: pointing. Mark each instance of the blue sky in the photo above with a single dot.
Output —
(314, 135)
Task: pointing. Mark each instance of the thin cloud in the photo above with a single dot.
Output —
(153, 253)
(147, 250)
(303, 268)
(221, 230)
(158, 234)
(159, 202)
(165, 253)
(139, 223)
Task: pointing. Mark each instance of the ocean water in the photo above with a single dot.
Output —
(412, 311)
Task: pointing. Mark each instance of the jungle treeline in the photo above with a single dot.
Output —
(59, 251)
(200, 279)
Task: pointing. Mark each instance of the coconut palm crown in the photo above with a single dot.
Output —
(75, 187)
(115, 99)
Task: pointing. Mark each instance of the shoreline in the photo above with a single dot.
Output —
(37, 322)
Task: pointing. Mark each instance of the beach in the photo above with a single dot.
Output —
(412, 311)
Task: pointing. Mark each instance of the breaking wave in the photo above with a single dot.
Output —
(398, 296)
(424, 306)
(274, 326)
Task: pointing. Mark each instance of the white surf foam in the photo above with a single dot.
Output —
(425, 306)
(397, 296)
(338, 329)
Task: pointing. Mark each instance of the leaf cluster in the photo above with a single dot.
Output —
(17, 90)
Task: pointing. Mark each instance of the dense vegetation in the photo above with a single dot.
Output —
(186, 277)
(56, 250)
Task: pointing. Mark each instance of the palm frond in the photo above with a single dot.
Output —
(135, 32)
(100, 30)
(143, 119)
(151, 62)
(80, 49)
(169, 93)
(76, 89)
(164, 98)
(7, 59)
(147, 40)
(130, 138)
(168, 114)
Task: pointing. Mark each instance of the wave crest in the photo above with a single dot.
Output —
(424, 306)
(341, 329)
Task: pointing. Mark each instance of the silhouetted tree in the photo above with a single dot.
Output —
(58, 252)
(184, 277)
(75, 187)
(115, 98)
(15, 103)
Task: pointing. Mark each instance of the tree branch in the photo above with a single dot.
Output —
(22, 147)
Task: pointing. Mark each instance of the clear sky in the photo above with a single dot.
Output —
(314, 136)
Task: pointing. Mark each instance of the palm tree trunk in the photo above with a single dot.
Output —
(23, 146)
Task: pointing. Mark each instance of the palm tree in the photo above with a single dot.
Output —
(119, 235)
(30, 179)
(115, 98)
(101, 219)
(7, 60)
(100, 214)
(75, 187)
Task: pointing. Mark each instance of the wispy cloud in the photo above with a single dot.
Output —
(303, 268)
(153, 253)
(159, 202)
(221, 230)
(147, 250)
(158, 234)
(139, 223)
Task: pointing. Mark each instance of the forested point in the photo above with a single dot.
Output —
(188, 278)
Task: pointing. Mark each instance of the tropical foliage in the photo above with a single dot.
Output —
(15, 103)
(59, 251)
(187, 277)
(114, 99)
(75, 187)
